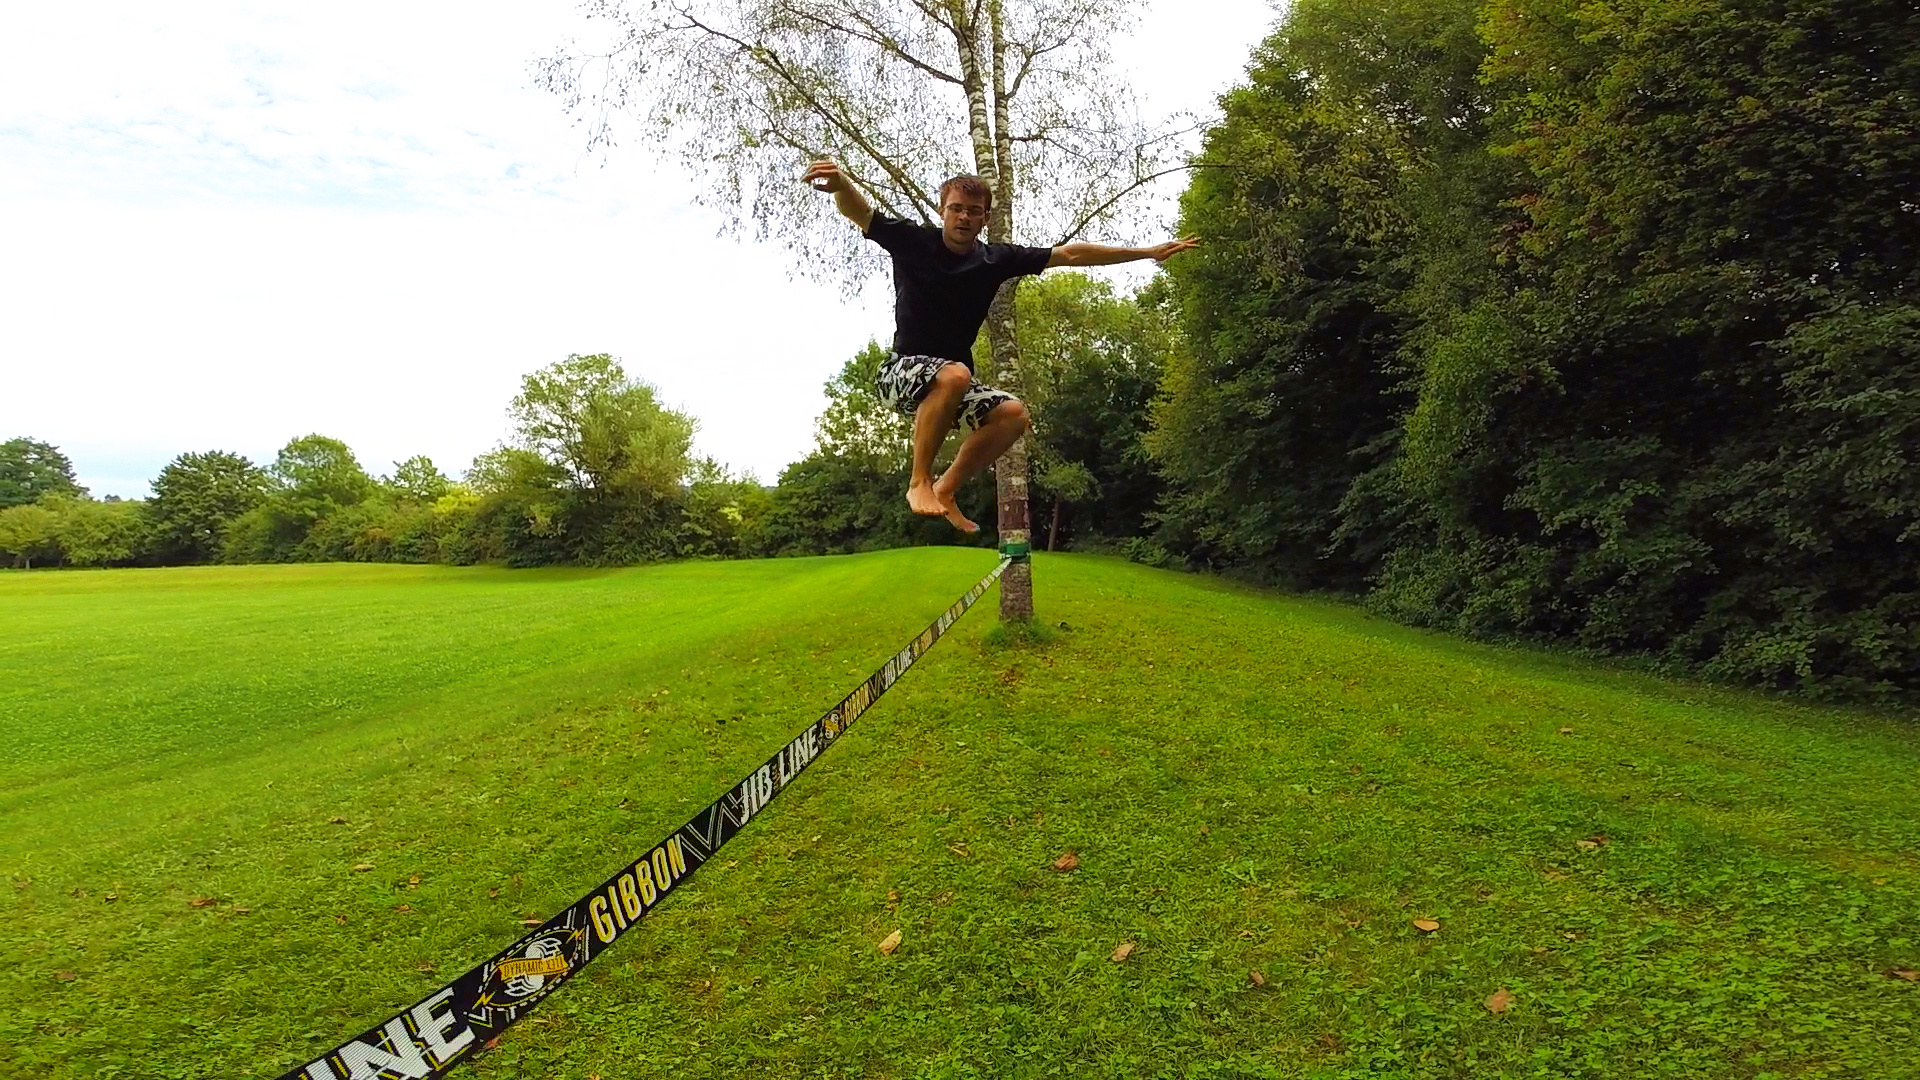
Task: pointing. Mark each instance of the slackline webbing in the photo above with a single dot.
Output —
(433, 1036)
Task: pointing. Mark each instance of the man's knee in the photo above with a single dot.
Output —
(1014, 412)
(953, 377)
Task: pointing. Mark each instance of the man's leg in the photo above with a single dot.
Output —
(931, 422)
(1002, 428)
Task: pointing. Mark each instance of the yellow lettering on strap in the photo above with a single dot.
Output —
(533, 965)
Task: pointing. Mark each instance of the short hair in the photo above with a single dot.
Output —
(969, 185)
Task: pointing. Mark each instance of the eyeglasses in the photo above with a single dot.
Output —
(962, 210)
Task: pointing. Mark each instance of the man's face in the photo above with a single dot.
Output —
(962, 217)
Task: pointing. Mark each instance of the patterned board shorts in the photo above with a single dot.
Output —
(905, 380)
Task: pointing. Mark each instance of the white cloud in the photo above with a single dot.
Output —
(227, 225)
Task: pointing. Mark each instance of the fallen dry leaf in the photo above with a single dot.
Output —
(1258, 979)
(1125, 950)
(413, 882)
(1205, 831)
(341, 919)
(531, 922)
(493, 894)
(1586, 845)
(1879, 881)
(490, 1043)
(336, 821)
(893, 898)
(202, 901)
(1903, 973)
(1067, 863)
(1566, 731)
(424, 965)
(891, 943)
(242, 911)
(361, 868)
(959, 849)
(1500, 1002)
(404, 909)
(1426, 926)
(66, 976)
(112, 896)
(1571, 936)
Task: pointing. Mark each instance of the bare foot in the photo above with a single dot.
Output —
(950, 508)
(924, 502)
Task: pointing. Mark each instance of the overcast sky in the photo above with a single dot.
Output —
(224, 225)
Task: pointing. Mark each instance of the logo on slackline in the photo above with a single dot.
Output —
(530, 970)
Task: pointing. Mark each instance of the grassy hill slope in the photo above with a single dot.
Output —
(1667, 881)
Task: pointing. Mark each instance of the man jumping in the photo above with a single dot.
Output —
(943, 281)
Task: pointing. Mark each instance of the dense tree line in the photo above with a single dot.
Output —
(1599, 324)
(596, 471)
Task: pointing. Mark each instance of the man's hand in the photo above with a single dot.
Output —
(1162, 252)
(826, 176)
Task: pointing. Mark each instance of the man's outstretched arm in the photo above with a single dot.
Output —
(1102, 255)
(826, 176)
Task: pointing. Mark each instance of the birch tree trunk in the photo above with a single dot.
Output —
(1010, 473)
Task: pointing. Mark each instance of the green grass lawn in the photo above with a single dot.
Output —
(1668, 881)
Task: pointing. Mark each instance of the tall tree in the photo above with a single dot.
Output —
(1287, 316)
(93, 533)
(196, 497)
(606, 433)
(317, 475)
(1094, 359)
(593, 472)
(856, 424)
(27, 533)
(1016, 91)
(30, 468)
(418, 480)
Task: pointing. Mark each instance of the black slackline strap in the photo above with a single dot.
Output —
(433, 1036)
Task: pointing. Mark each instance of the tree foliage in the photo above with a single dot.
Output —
(417, 480)
(746, 92)
(88, 532)
(1094, 362)
(30, 469)
(600, 432)
(196, 497)
(28, 534)
(1595, 323)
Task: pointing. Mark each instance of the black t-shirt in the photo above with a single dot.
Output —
(939, 298)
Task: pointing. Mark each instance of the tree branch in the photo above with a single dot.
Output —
(770, 60)
(876, 37)
(1128, 190)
